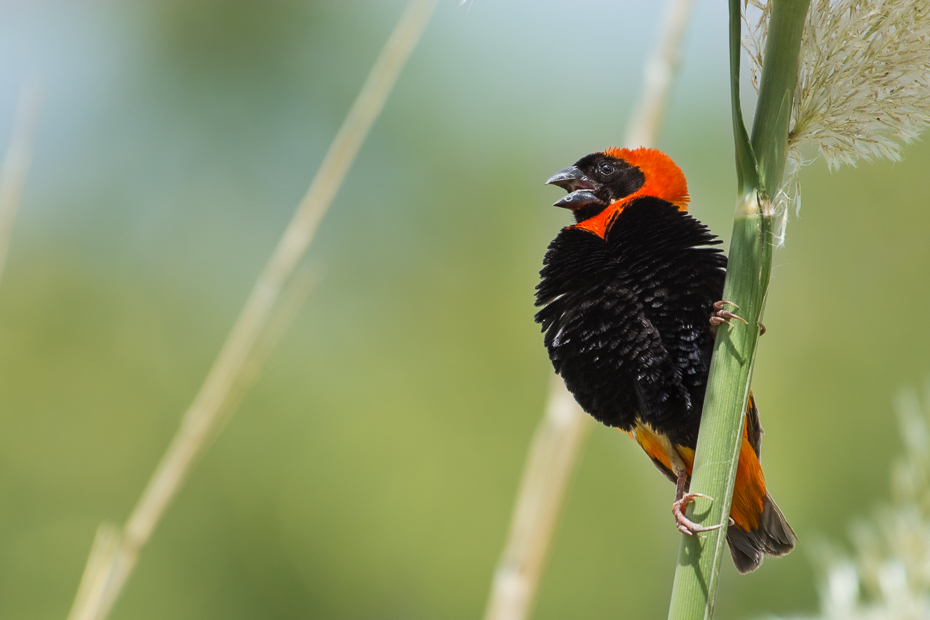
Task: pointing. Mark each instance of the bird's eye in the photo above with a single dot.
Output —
(605, 169)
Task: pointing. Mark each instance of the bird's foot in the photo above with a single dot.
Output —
(686, 525)
(719, 315)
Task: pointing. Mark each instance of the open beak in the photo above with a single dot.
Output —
(579, 187)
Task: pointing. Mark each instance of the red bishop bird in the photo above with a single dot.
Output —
(630, 298)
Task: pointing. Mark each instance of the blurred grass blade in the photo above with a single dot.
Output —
(202, 417)
(658, 75)
(96, 572)
(563, 428)
(295, 292)
(16, 162)
(548, 468)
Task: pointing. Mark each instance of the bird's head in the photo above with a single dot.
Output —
(601, 184)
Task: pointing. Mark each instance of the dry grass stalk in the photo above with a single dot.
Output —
(295, 293)
(16, 162)
(658, 74)
(560, 434)
(96, 571)
(94, 602)
(552, 457)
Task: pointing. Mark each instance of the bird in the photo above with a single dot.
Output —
(630, 298)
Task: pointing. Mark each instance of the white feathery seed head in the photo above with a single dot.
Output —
(863, 82)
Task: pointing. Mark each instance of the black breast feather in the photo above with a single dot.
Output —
(626, 317)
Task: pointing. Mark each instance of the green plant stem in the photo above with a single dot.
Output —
(760, 165)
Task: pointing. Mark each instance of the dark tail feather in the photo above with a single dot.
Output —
(774, 537)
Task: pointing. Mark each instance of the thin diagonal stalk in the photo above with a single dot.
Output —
(108, 537)
(204, 413)
(561, 432)
(553, 452)
(16, 163)
(658, 75)
(760, 167)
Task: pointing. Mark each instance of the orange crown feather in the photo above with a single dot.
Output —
(664, 179)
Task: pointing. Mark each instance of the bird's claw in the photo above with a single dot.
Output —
(686, 525)
(719, 315)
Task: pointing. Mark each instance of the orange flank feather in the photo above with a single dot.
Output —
(749, 490)
(663, 179)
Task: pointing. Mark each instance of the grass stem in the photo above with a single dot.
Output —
(760, 166)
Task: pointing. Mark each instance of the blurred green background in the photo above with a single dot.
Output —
(371, 471)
